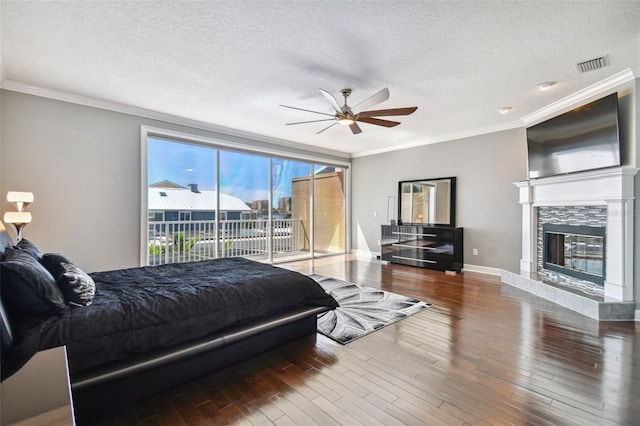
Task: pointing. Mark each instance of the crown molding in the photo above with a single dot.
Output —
(582, 96)
(546, 112)
(552, 109)
(16, 86)
(445, 138)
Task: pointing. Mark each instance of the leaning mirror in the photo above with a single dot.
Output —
(427, 201)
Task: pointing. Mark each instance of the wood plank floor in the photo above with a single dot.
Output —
(484, 354)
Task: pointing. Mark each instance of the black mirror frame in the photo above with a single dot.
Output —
(452, 202)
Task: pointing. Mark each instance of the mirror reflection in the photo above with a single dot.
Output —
(427, 201)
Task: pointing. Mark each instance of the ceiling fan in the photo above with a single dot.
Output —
(344, 114)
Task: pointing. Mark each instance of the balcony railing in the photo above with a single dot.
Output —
(185, 241)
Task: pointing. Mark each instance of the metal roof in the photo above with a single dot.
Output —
(185, 199)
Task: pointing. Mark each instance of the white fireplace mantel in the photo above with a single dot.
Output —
(612, 187)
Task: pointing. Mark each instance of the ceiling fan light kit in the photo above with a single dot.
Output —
(345, 116)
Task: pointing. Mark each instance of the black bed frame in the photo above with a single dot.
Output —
(119, 384)
(109, 387)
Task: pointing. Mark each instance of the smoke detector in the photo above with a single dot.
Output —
(593, 64)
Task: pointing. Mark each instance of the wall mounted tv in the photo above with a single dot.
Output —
(585, 138)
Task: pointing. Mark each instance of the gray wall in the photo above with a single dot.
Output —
(629, 122)
(83, 165)
(634, 130)
(487, 206)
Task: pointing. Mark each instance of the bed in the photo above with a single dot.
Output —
(150, 328)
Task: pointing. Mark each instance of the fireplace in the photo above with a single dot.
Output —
(576, 251)
(579, 202)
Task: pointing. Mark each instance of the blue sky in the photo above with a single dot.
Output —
(242, 175)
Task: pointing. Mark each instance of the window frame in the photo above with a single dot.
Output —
(250, 146)
(155, 213)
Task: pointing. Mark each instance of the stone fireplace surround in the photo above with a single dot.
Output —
(613, 188)
(591, 216)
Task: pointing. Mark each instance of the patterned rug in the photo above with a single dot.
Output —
(362, 309)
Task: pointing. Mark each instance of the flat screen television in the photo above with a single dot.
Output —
(585, 138)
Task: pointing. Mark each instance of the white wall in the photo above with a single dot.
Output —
(486, 204)
(83, 165)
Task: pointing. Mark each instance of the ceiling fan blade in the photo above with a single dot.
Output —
(386, 112)
(330, 125)
(312, 121)
(378, 121)
(332, 100)
(355, 129)
(376, 99)
(308, 110)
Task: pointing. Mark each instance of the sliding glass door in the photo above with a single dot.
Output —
(181, 202)
(244, 180)
(207, 202)
(291, 223)
(329, 210)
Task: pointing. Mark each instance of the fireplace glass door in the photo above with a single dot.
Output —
(575, 253)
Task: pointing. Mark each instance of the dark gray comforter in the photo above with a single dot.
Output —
(142, 309)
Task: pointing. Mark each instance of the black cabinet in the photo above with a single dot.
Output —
(427, 247)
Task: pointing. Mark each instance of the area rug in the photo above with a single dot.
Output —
(362, 310)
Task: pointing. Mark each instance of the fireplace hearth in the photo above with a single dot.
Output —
(577, 251)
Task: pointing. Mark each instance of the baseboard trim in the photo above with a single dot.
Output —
(365, 254)
(482, 269)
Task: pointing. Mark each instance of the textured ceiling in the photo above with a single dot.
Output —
(231, 63)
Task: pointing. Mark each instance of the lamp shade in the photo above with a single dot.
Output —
(19, 197)
(18, 218)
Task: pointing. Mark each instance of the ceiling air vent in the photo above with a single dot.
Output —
(593, 64)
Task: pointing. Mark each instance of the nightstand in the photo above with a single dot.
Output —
(39, 393)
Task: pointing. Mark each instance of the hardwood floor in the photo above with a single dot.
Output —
(484, 353)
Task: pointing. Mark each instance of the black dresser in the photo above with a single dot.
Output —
(424, 246)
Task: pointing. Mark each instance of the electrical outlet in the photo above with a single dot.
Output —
(375, 214)
(475, 251)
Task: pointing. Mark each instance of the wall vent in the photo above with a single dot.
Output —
(593, 64)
